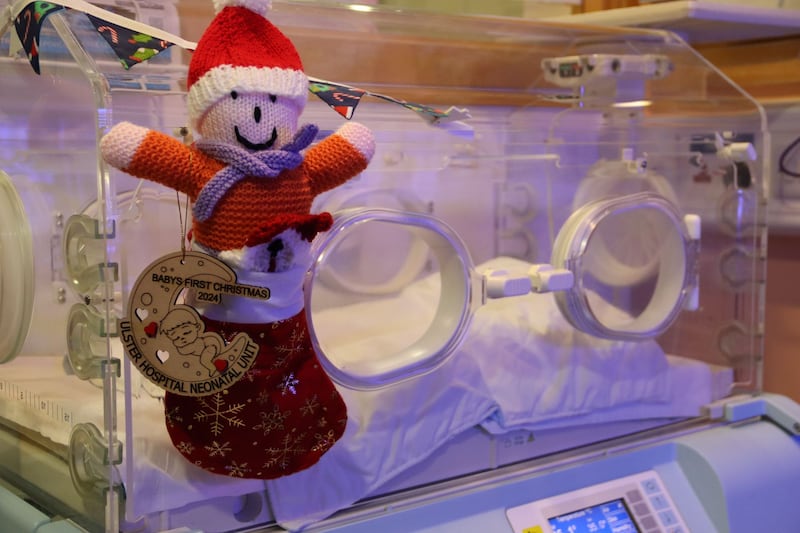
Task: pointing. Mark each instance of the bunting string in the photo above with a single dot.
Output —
(134, 42)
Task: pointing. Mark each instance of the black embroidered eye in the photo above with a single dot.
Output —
(272, 98)
(234, 95)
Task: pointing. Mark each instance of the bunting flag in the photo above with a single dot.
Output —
(131, 47)
(28, 24)
(134, 42)
(431, 115)
(344, 99)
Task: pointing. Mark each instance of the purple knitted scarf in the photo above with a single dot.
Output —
(242, 164)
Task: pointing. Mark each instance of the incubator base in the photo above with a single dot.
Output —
(731, 475)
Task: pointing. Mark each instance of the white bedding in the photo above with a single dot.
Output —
(521, 366)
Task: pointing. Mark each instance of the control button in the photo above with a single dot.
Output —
(659, 502)
(633, 496)
(651, 486)
(668, 518)
(648, 522)
(641, 509)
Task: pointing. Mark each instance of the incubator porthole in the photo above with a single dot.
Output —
(738, 211)
(85, 341)
(368, 340)
(84, 253)
(600, 303)
(736, 268)
(16, 271)
(88, 460)
(735, 343)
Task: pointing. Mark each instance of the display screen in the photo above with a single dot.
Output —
(609, 517)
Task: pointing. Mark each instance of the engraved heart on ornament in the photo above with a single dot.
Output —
(151, 329)
(162, 355)
(142, 313)
(221, 365)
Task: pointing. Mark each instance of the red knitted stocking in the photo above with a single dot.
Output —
(279, 418)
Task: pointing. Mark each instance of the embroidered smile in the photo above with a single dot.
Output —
(256, 146)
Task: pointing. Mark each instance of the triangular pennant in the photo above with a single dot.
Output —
(342, 98)
(430, 114)
(28, 24)
(131, 47)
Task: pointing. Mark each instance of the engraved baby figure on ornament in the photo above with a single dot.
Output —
(183, 327)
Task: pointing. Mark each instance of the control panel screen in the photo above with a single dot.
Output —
(608, 517)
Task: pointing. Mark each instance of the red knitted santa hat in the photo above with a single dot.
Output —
(243, 51)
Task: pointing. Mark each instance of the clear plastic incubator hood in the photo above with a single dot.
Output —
(558, 246)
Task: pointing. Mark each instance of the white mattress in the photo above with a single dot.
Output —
(521, 367)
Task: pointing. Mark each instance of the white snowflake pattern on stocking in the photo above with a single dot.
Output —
(217, 414)
(216, 448)
(238, 470)
(310, 406)
(324, 442)
(296, 344)
(290, 447)
(185, 447)
(172, 416)
(272, 421)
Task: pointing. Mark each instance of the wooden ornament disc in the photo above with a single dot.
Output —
(164, 335)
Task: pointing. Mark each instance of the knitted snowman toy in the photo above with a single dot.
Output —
(252, 190)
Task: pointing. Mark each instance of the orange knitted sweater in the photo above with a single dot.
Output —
(250, 204)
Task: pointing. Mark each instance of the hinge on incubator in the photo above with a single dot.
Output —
(502, 284)
(546, 278)
(109, 272)
(110, 367)
(539, 278)
(105, 234)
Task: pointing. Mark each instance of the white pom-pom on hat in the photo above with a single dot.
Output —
(261, 7)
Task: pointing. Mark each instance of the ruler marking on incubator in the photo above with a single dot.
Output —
(32, 400)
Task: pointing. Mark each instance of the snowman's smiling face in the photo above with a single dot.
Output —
(253, 121)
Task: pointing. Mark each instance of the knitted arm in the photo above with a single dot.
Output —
(156, 157)
(339, 157)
